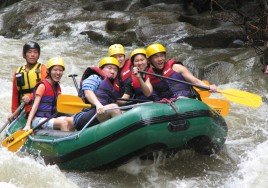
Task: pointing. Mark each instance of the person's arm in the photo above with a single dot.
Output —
(38, 96)
(43, 72)
(14, 101)
(89, 85)
(128, 92)
(122, 102)
(146, 86)
(15, 95)
(92, 98)
(149, 88)
(188, 76)
(27, 98)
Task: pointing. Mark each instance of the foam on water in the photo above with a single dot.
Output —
(253, 170)
(24, 171)
(5, 96)
(8, 185)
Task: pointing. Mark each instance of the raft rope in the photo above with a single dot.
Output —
(171, 103)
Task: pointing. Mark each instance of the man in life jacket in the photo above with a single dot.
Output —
(45, 99)
(118, 51)
(140, 83)
(100, 88)
(26, 77)
(164, 88)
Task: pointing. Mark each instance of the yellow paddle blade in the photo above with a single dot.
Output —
(242, 97)
(203, 93)
(70, 104)
(219, 105)
(15, 141)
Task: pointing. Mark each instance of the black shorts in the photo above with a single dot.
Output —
(82, 118)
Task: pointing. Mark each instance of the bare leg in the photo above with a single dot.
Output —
(70, 123)
(61, 123)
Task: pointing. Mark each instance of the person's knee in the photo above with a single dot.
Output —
(61, 123)
(64, 125)
(67, 124)
(112, 106)
(115, 112)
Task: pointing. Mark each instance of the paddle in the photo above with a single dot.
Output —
(70, 104)
(219, 105)
(16, 112)
(15, 141)
(203, 93)
(234, 95)
(74, 80)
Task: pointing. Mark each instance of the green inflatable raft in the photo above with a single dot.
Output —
(149, 127)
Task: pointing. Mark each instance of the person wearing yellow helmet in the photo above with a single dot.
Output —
(118, 51)
(45, 97)
(164, 88)
(26, 77)
(139, 83)
(99, 87)
(54, 61)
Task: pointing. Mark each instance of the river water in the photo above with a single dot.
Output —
(243, 162)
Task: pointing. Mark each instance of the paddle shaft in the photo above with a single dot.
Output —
(17, 139)
(45, 121)
(234, 95)
(16, 111)
(74, 80)
(265, 99)
(175, 80)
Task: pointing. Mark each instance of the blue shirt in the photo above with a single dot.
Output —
(91, 83)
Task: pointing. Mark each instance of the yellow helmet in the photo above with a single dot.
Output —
(137, 51)
(55, 61)
(154, 49)
(116, 49)
(108, 61)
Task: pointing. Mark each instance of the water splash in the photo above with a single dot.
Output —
(253, 170)
(25, 171)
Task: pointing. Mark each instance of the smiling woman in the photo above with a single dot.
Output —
(44, 105)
